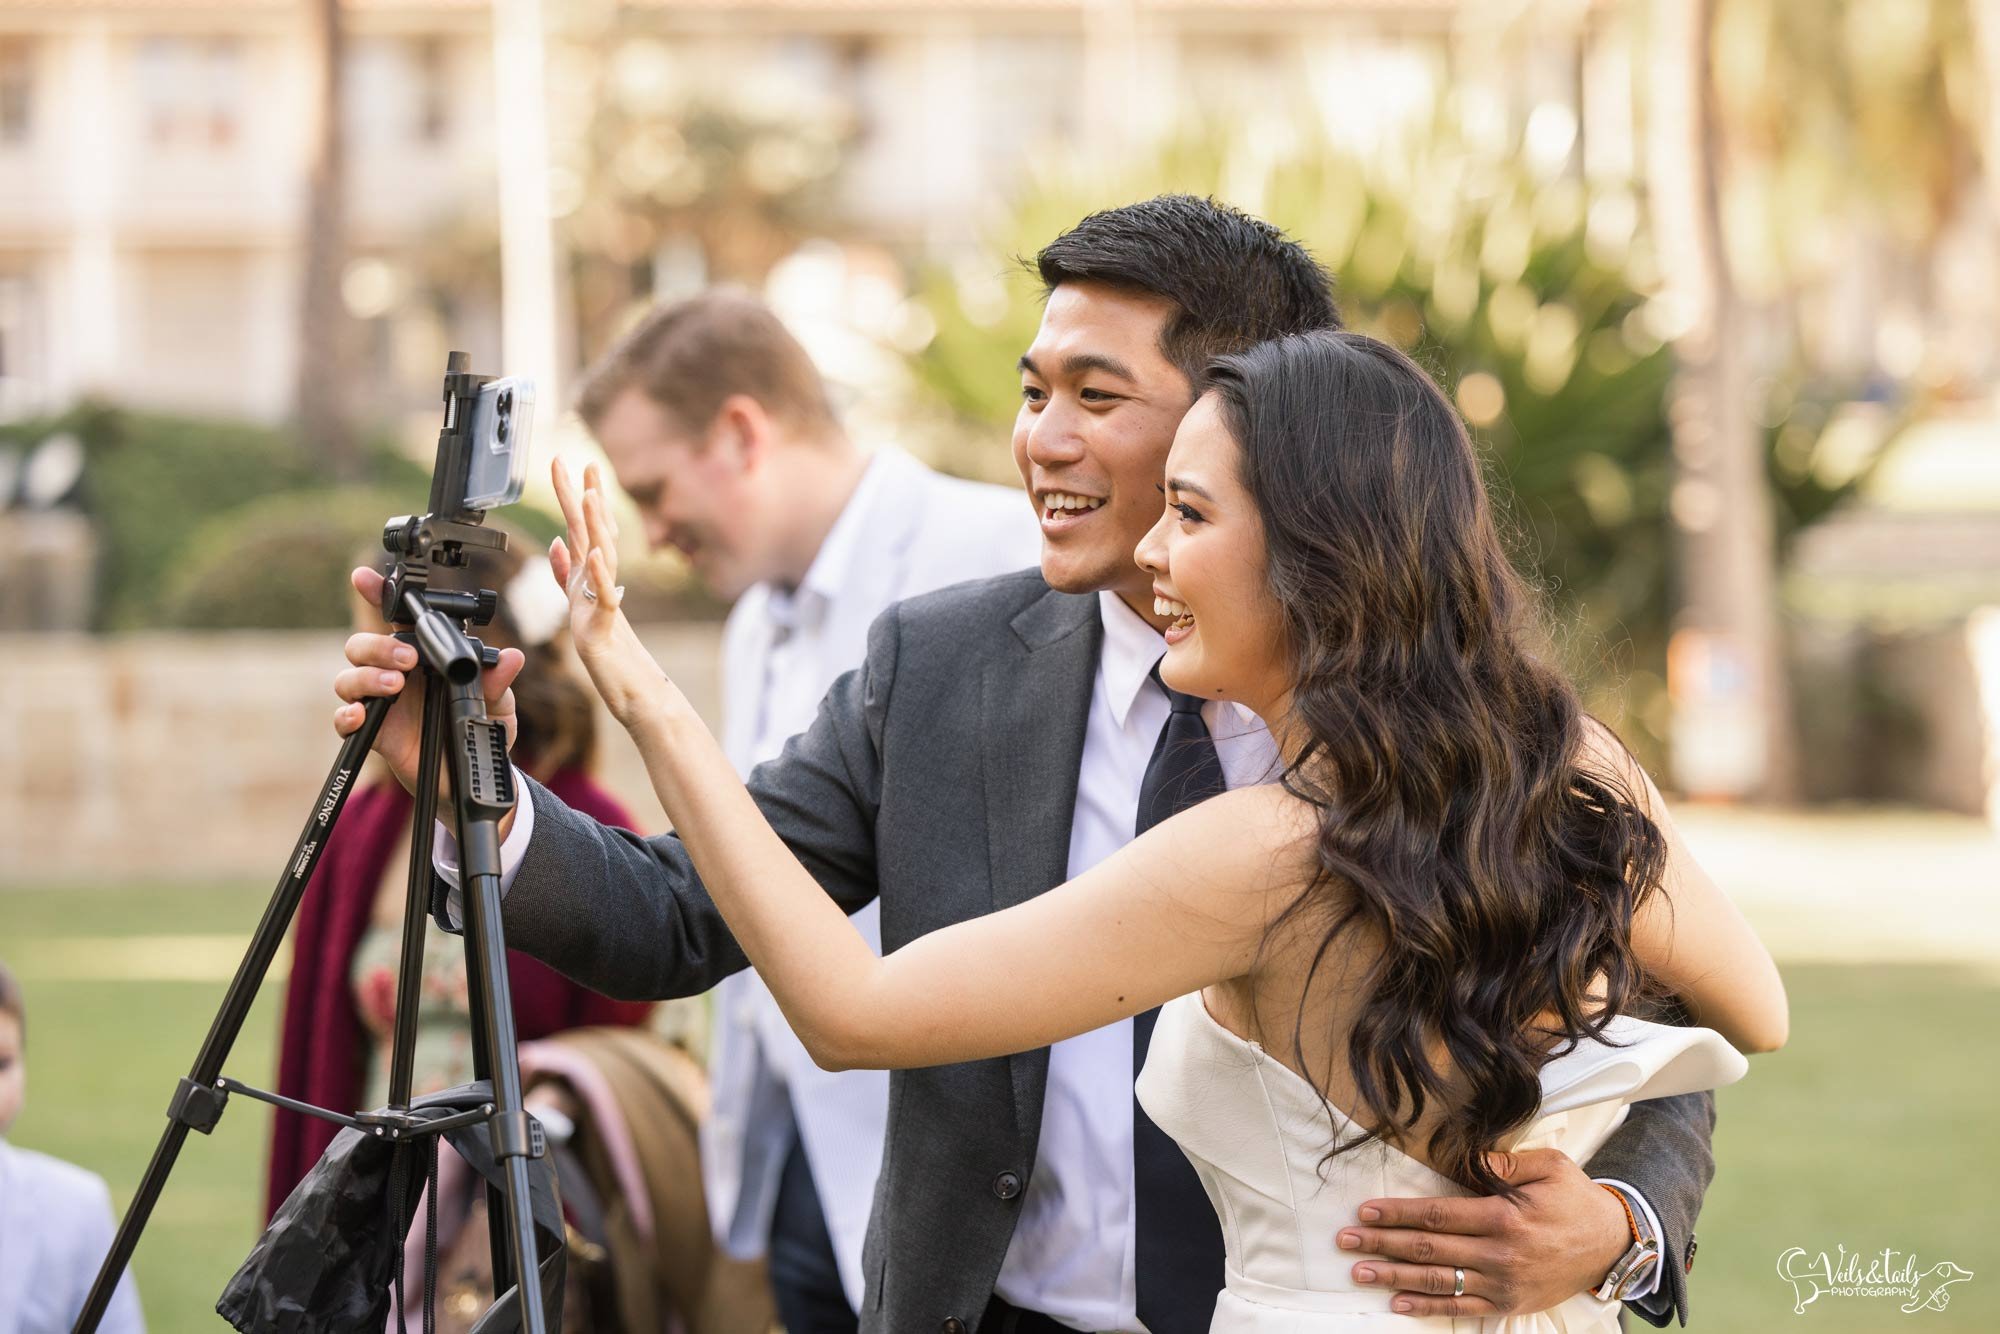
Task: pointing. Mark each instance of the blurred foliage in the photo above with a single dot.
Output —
(276, 563)
(150, 479)
(1826, 438)
(223, 524)
(673, 175)
(1866, 110)
(1525, 295)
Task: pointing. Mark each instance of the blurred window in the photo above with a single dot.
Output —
(191, 91)
(17, 89)
(396, 91)
(1237, 73)
(195, 325)
(433, 89)
(1029, 90)
(22, 373)
(857, 69)
(370, 87)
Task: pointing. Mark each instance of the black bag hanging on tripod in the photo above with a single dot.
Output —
(326, 1262)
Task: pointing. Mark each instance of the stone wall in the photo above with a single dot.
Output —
(186, 756)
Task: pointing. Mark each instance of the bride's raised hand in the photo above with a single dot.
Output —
(585, 562)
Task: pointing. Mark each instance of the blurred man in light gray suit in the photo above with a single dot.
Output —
(719, 427)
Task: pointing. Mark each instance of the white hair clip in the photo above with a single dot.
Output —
(536, 603)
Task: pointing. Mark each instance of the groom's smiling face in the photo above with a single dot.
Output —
(1099, 406)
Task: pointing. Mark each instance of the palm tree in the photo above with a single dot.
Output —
(1732, 729)
(321, 395)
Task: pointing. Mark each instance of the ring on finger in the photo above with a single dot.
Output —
(1458, 1282)
(590, 593)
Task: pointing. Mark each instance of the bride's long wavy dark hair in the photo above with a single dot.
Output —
(1465, 831)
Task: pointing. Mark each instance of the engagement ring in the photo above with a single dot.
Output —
(590, 593)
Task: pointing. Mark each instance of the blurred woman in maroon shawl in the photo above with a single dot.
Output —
(340, 1000)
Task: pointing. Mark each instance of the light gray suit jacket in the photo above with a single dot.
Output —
(941, 778)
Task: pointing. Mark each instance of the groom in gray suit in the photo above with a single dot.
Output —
(997, 741)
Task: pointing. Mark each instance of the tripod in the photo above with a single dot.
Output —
(482, 792)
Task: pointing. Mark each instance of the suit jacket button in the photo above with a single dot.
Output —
(1687, 1265)
(1006, 1185)
(953, 1325)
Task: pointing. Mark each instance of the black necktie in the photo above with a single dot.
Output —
(1178, 1250)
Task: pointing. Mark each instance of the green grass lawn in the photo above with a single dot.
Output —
(104, 1057)
(1875, 1128)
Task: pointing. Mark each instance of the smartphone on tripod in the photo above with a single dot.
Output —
(503, 421)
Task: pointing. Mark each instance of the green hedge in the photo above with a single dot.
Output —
(276, 563)
(220, 524)
(149, 480)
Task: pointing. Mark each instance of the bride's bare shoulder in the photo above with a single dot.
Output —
(1267, 809)
(1261, 834)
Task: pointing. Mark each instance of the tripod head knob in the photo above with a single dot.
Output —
(484, 609)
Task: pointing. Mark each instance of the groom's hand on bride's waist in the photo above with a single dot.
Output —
(1559, 1238)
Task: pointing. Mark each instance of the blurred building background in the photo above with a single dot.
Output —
(1713, 280)
(156, 157)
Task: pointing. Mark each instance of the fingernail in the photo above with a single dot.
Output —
(406, 656)
(1370, 1214)
(1401, 1304)
(1364, 1273)
(1350, 1241)
(388, 680)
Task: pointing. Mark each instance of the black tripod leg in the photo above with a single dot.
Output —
(410, 970)
(197, 1103)
(510, 1123)
(473, 774)
(498, 1243)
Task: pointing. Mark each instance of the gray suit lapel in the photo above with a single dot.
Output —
(1035, 704)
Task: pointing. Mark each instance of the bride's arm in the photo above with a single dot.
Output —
(1175, 910)
(1692, 936)
(1168, 914)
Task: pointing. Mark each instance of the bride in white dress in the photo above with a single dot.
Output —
(1256, 1132)
(1423, 944)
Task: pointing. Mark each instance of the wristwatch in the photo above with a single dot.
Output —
(1638, 1262)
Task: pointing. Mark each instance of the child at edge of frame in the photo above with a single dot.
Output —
(56, 1222)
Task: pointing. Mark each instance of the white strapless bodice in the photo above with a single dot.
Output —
(1256, 1133)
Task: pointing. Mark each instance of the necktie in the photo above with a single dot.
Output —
(1178, 1250)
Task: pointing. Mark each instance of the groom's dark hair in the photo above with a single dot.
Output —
(1236, 280)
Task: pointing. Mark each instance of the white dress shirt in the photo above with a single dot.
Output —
(1072, 1253)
